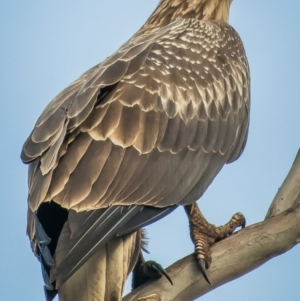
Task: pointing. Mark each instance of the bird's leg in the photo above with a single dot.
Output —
(146, 270)
(204, 234)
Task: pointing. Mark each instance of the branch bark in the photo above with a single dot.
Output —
(289, 192)
(238, 254)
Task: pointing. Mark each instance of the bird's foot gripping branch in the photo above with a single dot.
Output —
(146, 270)
(204, 234)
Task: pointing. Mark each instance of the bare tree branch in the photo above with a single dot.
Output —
(289, 192)
(237, 255)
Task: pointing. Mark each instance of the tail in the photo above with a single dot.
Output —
(87, 256)
(103, 276)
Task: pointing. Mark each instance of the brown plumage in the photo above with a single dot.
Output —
(150, 126)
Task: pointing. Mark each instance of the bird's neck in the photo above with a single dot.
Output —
(168, 11)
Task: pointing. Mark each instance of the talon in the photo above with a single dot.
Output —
(244, 224)
(204, 234)
(240, 220)
(202, 266)
(160, 270)
(144, 271)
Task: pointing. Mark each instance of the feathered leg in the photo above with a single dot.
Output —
(103, 276)
(204, 234)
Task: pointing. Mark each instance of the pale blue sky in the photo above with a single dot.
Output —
(47, 44)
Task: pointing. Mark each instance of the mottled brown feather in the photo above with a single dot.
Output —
(151, 125)
(123, 121)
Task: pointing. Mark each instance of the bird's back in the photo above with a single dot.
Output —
(149, 127)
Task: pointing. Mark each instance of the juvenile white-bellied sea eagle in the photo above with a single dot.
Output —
(130, 140)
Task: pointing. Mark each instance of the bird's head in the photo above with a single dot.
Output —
(171, 10)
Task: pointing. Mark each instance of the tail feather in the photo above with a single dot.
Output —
(95, 243)
(71, 253)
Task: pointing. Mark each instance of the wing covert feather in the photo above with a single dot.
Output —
(148, 132)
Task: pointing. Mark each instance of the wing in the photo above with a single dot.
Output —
(161, 104)
(150, 126)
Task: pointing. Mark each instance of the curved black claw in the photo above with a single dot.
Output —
(202, 267)
(244, 224)
(155, 271)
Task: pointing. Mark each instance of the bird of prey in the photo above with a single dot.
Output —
(133, 138)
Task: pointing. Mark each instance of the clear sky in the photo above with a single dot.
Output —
(47, 44)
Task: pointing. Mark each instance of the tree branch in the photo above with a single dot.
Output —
(237, 255)
(289, 192)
